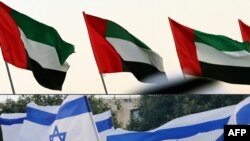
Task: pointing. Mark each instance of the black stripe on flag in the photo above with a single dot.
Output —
(230, 74)
(142, 71)
(51, 79)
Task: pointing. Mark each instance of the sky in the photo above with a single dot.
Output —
(146, 19)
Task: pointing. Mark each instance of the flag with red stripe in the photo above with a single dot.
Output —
(212, 56)
(245, 31)
(32, 45)
(117, 50)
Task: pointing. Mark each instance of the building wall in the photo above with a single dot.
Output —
(124, 110)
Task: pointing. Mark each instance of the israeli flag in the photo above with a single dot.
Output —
(186, 128)
(72, 121)
(205, 126)
(11, 124)
(240, 115)
(104, 124)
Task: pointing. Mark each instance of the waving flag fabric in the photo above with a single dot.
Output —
(11, 125)
(104, 121)
(71, 122)
(240, 115)
(104, 124)
(205, 126)
(31, 45)
(245, 31)
(182, 129)
(116, 50)
(211, 56)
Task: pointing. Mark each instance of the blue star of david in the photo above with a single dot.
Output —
(61, 136)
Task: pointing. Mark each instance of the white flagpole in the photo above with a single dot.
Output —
(96, 130)
(11, 83)
(92, 120)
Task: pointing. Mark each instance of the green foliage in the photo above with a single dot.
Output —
(155, 110)
(98, 106)
(19, 106)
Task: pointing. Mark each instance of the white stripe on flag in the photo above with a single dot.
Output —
(238, 54)
(103, 124)
(102, 116)
(11, 130)
(188, 128)
(210, 55)
(49, 109)
(241, 114)
(208, 136)
(131, 52)
(70, 122)
(43, 54)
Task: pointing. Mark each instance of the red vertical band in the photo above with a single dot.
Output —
(245, 31)
(5, 7)
(185, 46)
(12, 46)
(107, 59)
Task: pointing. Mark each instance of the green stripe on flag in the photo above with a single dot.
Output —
(220, 42)
(42, 33)
(116, 31)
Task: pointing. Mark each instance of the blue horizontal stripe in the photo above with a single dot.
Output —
(172, 133)
(74, 108)
(104, 125)
(69, 109)
(11, 121)
(40, 117)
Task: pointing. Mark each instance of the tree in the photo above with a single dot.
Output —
(98, 106)
(19, 106)
(155, 110)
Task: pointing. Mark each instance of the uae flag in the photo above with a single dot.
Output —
(116, 50)
(29, 44)
(245, 31)
(211, 56)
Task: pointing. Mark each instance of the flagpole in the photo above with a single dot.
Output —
(103, 82)
(104, 85)
(11, 83)
(92, 120)
(94, 124)
(184, 76)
